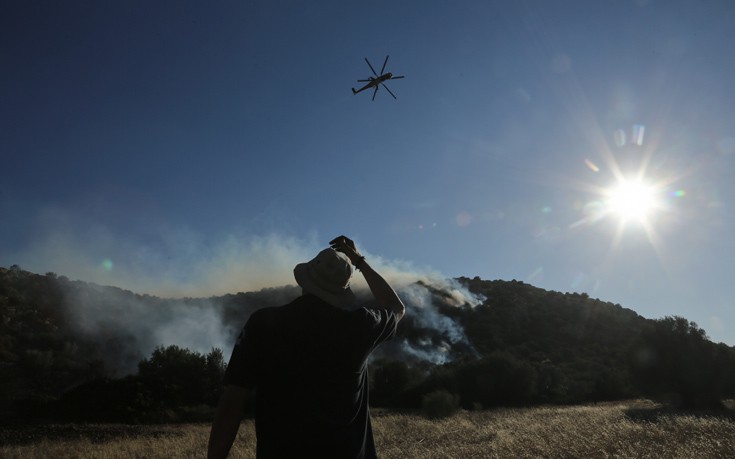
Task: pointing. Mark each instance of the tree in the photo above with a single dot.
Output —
(675, 358)
(552, 385)
(176, 376)
(215, 372)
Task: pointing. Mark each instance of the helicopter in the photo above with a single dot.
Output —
(375, 82)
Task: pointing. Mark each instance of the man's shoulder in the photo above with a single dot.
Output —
(262, 314)
(270, 314)
(265, 315)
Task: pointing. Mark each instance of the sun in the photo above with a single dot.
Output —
(632, 200)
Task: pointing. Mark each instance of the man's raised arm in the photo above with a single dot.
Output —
(381, 290)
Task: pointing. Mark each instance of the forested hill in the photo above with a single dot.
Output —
(538, 325)
(489, 342)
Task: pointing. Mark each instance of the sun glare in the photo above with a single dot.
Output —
(632, 200)
(626, 198)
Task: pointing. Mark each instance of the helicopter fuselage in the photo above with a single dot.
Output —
(375, 81)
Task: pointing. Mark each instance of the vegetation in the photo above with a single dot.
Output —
(173, 385)
(629, 429)
(439, 404)
(523, 346)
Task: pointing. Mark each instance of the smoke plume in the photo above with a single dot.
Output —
(177, 289)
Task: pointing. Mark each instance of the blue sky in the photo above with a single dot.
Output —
(186, 148)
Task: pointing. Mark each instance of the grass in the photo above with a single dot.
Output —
(626, 430)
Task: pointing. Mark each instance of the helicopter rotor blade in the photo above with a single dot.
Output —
(364, 80)
(391, 92)
(371, 67)
(397, 77)
(376, 91)
(385, 62)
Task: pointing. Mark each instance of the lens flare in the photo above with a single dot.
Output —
(578, 280)
(463, 219)
(638, 131)
(620, 138)
(536, 275)
(593, 167)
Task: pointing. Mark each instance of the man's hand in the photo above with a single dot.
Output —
(347, 246)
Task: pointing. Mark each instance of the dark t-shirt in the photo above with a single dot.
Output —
(307, 362)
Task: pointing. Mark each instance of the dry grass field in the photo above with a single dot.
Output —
(637, 429)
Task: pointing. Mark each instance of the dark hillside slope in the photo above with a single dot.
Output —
(534, 323)
(513, 343)
(585, 342)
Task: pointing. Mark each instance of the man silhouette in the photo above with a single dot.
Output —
(307, 362)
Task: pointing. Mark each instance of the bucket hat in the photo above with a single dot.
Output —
(327, 276)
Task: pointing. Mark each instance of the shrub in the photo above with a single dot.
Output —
(439, 404)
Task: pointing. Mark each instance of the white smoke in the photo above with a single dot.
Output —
(427, 352)
(128, 327)
(425, 311)
(180, 264)
(422, 305)
(423, 290)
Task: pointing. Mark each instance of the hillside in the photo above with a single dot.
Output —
(491, 342)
